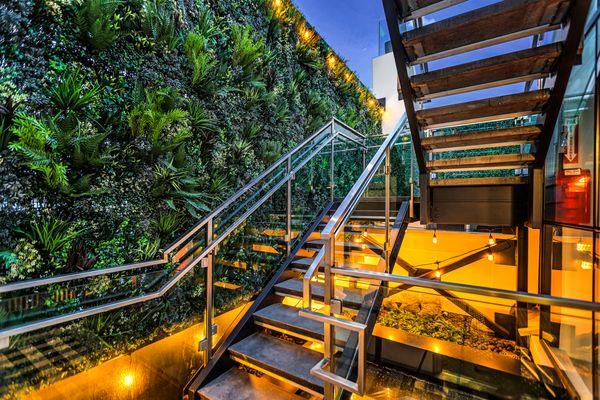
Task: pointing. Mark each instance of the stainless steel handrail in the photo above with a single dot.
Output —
(311, 272)
(343, 211)
(40, 324)
(524, 297)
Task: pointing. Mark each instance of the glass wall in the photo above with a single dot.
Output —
(571, 232)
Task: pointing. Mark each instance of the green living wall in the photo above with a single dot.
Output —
(123, 122)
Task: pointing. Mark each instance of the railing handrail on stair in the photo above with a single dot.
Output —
(326, 257)
(322, 137)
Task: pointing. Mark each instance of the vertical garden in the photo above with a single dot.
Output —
(123, 122)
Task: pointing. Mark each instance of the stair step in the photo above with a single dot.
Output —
(496, 161)
(413, 9)
(481, 139)
(524, 65)
(487, 181)
(495, 108)
(284, 318)
(280, 359)
(240, 385)
(345, 246)
(486, 26)
(351, 297)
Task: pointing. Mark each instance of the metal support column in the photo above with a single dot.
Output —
(329, 293)
(386, 245)
(288, 233)
(522, 272)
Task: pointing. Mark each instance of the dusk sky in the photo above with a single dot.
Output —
(351, 29)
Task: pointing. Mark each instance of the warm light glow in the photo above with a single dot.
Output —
(434, 239)
(491, 240)
(348, 77)
(363, 246)
(583, 247)
(586, 265)
(438, 274)
(436, 348)
(490, 256)
(128, 379)
(372, 103)
(331, 61)
(365, 233)
(277, 4)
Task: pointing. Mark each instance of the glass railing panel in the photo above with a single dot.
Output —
(246, 260)
(348, 165)
(311, 192)
(147, 350)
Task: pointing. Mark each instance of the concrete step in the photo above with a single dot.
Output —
(240, 385)
(285, 319)
(285, 361)
(351, 297)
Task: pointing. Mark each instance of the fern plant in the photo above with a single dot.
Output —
(37, 144)
(159, 121)
(202, 122)
(247, 52)
(159, 23)
(7, 115)
(207, 72)
(180, 188)
(98, 22)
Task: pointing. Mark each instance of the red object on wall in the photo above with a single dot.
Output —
(572, 195)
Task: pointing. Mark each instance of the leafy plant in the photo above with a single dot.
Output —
(147, 248)
(37, 143)
(98, 22)
(71, 93)
(167, 224)
(157, 119)
(51, 235)
(159, 23)
(318, 110)
(206, 69)
(201, 121)
(180, 189)
(79, 258)
(7, 115)
(247, 52)
(271, 151)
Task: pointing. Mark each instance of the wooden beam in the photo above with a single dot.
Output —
(479, 139)
(578, 14)
(486, 181)
(496, 161)
(401, 58)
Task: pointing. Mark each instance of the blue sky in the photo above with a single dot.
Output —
(351, 29)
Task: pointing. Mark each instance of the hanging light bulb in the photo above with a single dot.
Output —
(491, 240)
(583, 247)
(438, 274)
(490, 256)
(586, 265)
(434, 239)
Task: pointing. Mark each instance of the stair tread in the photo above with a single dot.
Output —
(494, 108)
(502, 136)
(487, 181)
(281, 358)
(241, 385)
(287, 317)
(471, 30)
(413, 9)
(519, 66)
(350, 296)
(466, 163)
(349, 245)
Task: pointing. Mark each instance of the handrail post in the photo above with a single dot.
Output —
(209, 311)
(288, 233)
(332, 166)
(329, 294)
(386, 245)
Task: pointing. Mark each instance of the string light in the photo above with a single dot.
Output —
(128, 379)
(438, 274)
(491, 240)
(277, 4)
(490, 256)
(434, 239)
(583, 247)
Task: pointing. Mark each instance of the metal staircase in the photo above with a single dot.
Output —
(454, 143)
